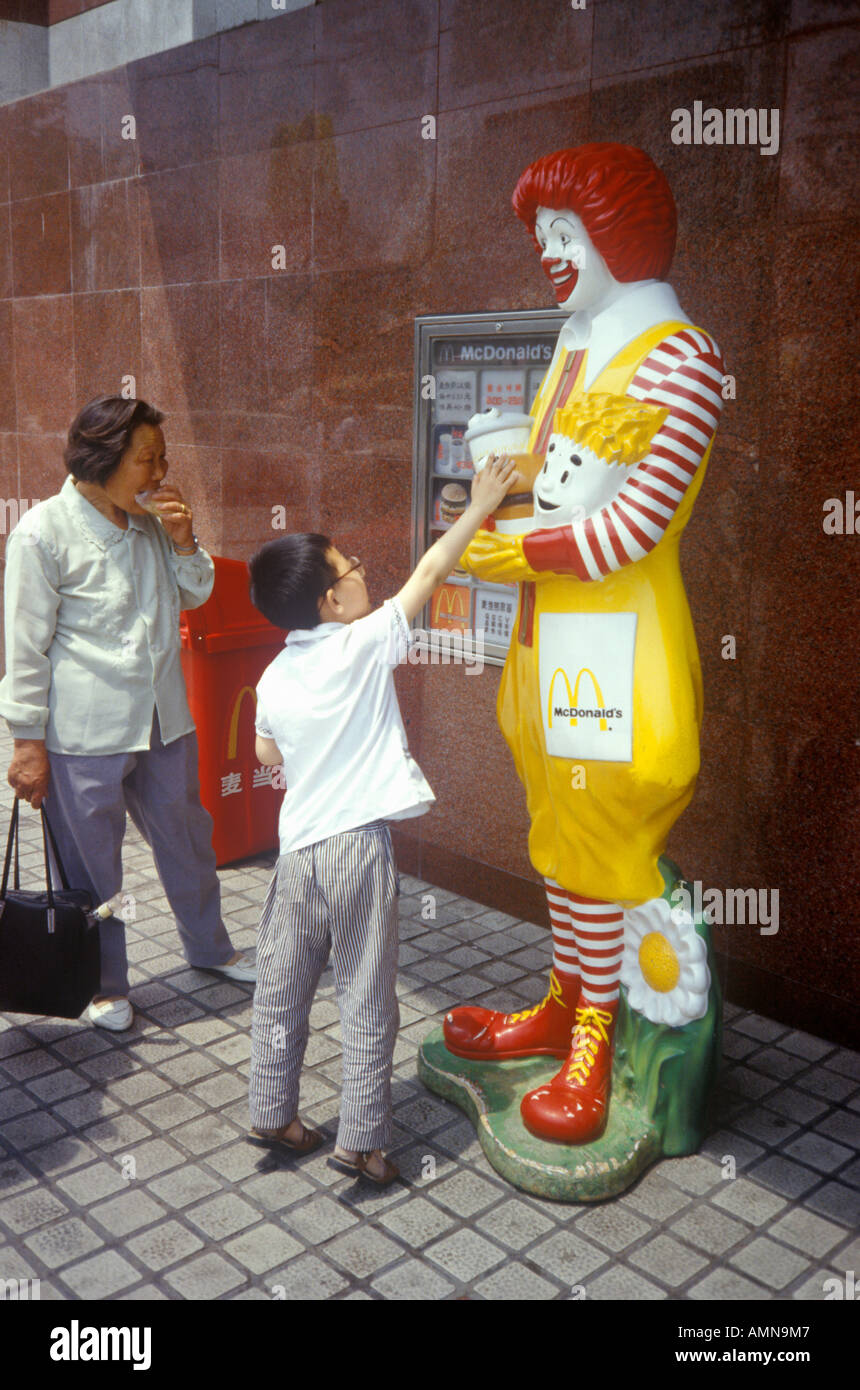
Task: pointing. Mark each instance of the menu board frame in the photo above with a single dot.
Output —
(436, 455)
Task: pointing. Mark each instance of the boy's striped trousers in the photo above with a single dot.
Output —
(336, 897)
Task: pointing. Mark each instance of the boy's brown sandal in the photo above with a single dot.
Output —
(275, 1139)
(360, 1169)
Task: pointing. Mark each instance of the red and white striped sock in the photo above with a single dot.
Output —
(565, 959)
(599, 931)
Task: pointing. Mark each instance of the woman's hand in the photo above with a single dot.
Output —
(498, 558)
(30, 771)
(175, 516)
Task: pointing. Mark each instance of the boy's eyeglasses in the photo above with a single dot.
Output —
(354, 564)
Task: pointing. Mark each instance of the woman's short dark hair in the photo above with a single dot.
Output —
(289, 577)
(100, 434)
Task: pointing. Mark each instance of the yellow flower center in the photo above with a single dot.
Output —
(658, 962)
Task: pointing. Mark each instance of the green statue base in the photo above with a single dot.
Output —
(661, 1083)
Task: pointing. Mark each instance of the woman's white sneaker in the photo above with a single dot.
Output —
(116, 1014)
(244, 969)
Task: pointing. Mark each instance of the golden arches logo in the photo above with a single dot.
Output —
(573, 695)
(455, 599)
(233, 736)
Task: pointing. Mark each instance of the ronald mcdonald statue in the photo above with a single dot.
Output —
(601, 696)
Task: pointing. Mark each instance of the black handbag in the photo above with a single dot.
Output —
(49, 942)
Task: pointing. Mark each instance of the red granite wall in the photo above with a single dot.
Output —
(152, 257)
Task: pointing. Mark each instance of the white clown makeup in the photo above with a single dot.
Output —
(577, 271)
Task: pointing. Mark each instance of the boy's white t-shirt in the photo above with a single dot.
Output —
(328, 701)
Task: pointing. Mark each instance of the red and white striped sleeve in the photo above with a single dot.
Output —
(684, 373)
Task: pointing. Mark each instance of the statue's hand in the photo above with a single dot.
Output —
(497, 558)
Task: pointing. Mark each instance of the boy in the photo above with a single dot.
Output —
(327, 710)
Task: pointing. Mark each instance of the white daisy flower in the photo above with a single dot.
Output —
(665, 965)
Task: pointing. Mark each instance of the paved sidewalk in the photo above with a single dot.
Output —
(124, 1173)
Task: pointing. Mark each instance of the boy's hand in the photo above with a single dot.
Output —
(498, 476)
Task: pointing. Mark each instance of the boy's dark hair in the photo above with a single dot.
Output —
(100, 434)
(289, 577)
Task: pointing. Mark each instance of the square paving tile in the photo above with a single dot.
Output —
(30, 1130)
(87, 1185)
(516, 1283)
(263, 1248)
(63, 1242)
(770, 1263)
(807, 1232)
(154, 1157)
(668, 1260)
(169, 1111)
(14, 1177)
(466, 1193)
(127, 1212)
(416, 1221)
(100, 1276)
(709, 1229)
(725, 1285)
(319, 1220)
(204, 1277)
(31, 1209)
(568, 1258)
(789, 1179)
(465, 1255)
(837, 1202)
(817, 1151)
(165, 1245)
(306, 1278)
(619, 1282)
(514, 1223)
(222, 1216)
(655, 1196)
(413, 1280)
(841, 1125)
(749, 1200)
(614, 1226)
(183, 1186)
(695, 1174)
(363, 1252)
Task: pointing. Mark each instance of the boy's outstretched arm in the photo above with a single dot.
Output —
(488, 488)
(268, 752)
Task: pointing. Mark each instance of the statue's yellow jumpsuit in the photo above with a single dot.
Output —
(598, 827)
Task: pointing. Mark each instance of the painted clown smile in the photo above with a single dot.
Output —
(563, 276)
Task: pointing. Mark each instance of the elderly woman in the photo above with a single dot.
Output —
(94, 694)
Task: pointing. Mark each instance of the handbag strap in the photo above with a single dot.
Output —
(48, 834)
(11, 842)
(12, 847)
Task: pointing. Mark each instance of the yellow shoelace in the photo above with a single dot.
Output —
(554, 993)
(589, 1030)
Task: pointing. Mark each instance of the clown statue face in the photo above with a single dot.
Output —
(578, 273)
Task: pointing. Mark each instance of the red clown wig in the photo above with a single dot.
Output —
(620, 195)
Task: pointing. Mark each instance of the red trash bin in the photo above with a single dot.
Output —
(226, 646)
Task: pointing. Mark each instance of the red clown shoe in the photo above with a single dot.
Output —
(484, 1035)
(573, 1108)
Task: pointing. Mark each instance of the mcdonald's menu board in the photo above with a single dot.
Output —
(465, 365)
(495, 610)
(471, 375)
